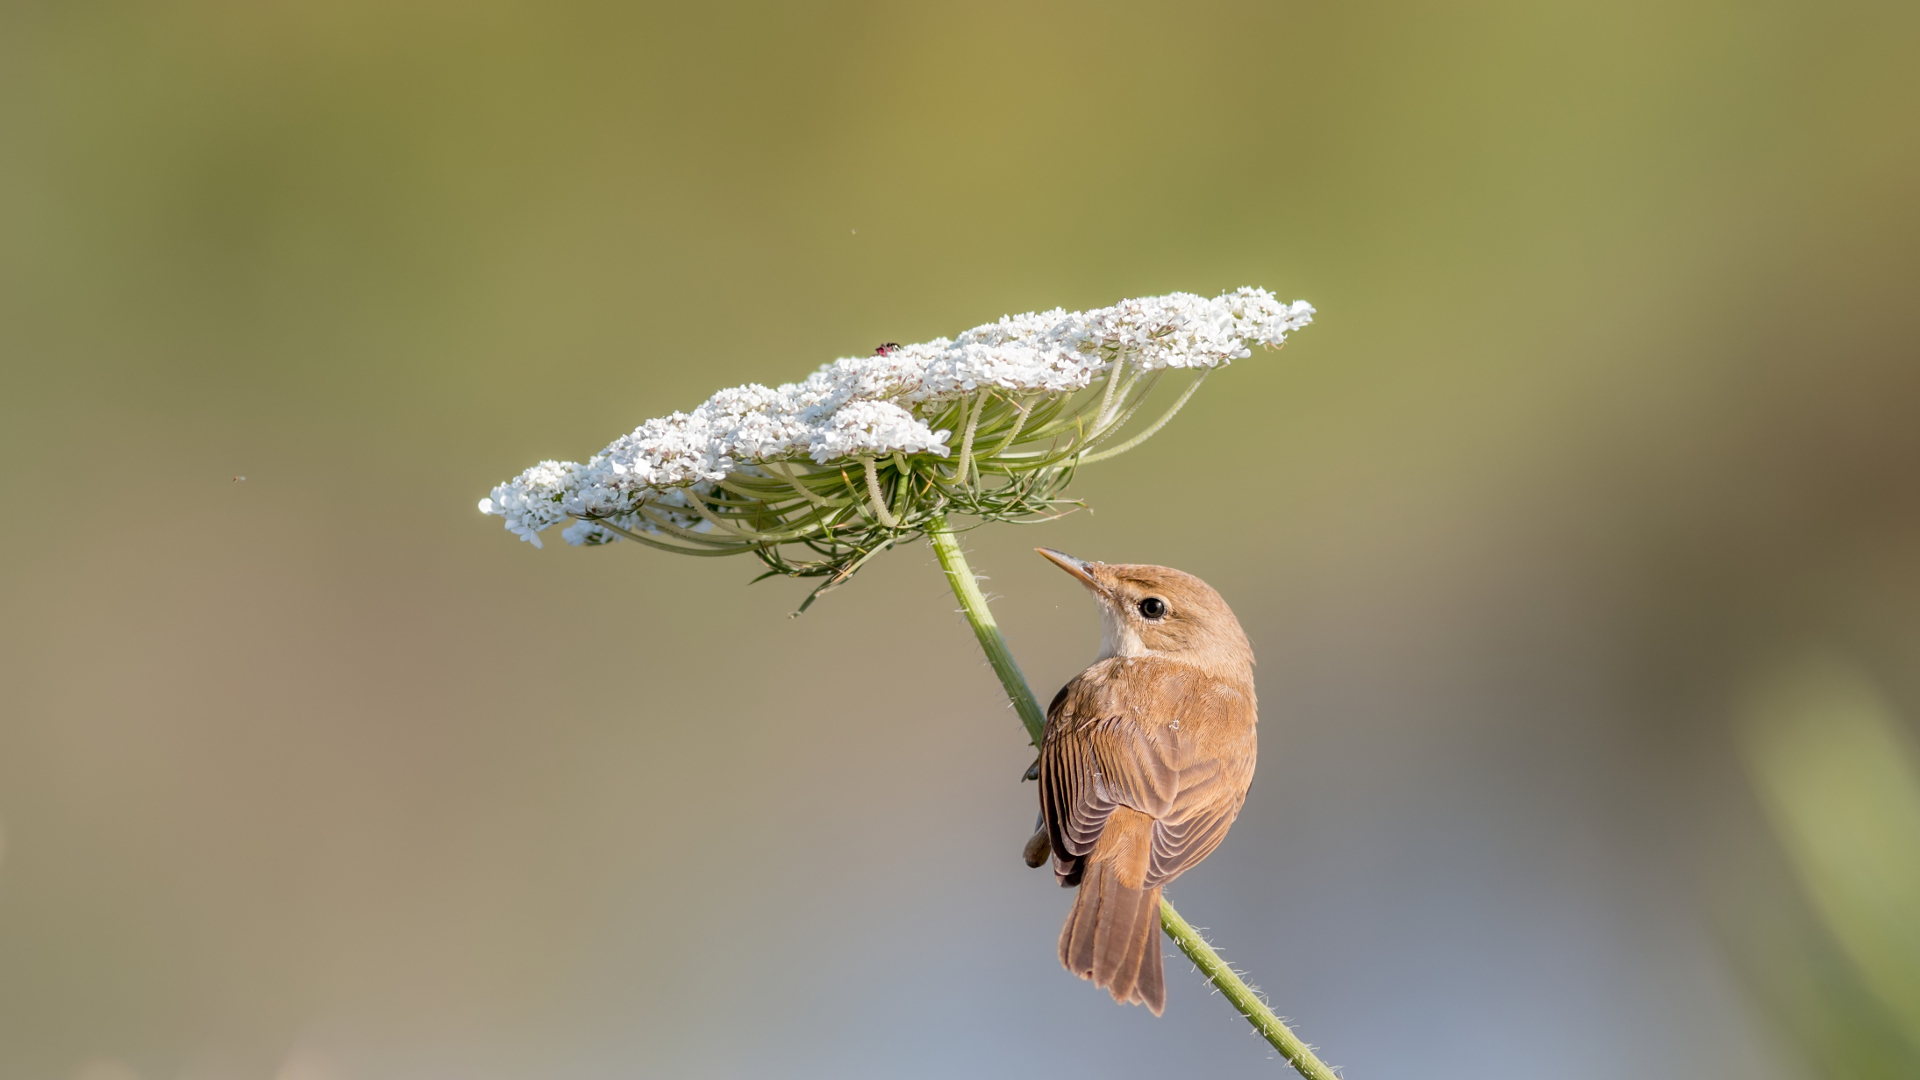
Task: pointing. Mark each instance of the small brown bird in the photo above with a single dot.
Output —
(1147, 758)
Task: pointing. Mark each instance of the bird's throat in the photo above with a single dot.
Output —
(1118, 636)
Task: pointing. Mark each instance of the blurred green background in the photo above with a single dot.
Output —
(1579, 539)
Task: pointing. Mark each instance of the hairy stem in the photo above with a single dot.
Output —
(974, 603)
(1224, 978)
(1243, 997)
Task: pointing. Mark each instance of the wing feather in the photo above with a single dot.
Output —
(1115, 738)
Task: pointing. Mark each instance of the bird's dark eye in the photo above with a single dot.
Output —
(1153, 607)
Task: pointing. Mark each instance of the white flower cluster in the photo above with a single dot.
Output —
(877, 405)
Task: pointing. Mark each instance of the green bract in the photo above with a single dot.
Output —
(1016, 455)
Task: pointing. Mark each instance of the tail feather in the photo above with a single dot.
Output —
(1076, 938)
(1140, 940)
(1118, 945)
(1112, 934)
(1151, 987)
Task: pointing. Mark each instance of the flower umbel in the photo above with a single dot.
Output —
(818, 476)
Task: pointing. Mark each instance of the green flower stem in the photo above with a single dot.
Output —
(974, 602)
(1243, 997)
(1217, 971)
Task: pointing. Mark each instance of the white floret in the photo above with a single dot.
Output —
(861, 428)
(533, 501)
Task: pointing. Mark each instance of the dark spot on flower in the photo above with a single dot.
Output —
(887, 349)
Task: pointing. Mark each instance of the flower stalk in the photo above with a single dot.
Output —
(1243, 997)
(972, 601)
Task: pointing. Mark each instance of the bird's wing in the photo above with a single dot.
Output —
(1115, 738)
(1209, 799)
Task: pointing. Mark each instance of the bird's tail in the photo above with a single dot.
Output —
(1112, 935)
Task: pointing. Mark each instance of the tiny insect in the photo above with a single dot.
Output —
(888, 349)
(237, 479)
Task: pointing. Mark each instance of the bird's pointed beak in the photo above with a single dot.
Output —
(1079, 568)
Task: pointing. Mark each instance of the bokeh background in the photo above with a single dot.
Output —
(1579, 539)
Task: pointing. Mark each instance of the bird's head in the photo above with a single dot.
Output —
(1159, 611)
